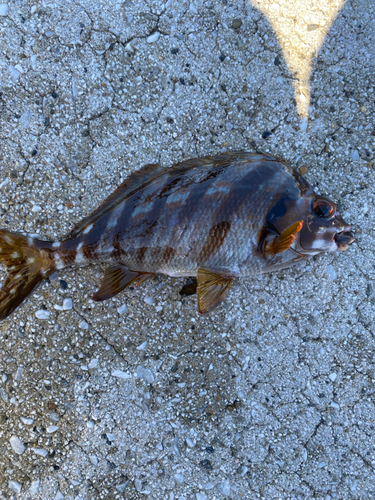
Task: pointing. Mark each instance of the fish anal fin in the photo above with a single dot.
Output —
(213, 289)
(190, 287)
(142, 278)
(116, 278)
(285, 239)
(131, 184)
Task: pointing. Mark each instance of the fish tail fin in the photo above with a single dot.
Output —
(28, 261)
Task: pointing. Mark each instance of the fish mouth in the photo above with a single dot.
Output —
(343, 239)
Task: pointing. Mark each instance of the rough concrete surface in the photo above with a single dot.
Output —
(272, 395)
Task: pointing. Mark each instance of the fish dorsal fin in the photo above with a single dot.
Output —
(115, 279)
(213, 289)
(225, 159)
(285, 239)
(131, 184)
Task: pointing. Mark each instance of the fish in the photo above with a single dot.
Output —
(210, 219)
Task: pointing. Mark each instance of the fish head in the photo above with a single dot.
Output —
(323, 230)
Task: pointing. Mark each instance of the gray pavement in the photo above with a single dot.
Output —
(272, 395)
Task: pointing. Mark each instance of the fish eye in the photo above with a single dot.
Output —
(323, 209)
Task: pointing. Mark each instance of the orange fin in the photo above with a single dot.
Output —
(131, 184)
(285, 239)
(115, 279)
(28, 263)
(212, 289)
(190, 287)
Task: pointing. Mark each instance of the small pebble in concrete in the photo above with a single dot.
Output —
(42, 314)
(4, 9)
(52, 428)
(67, 304)
(15, 486)
(153, 38)
(145, 374)
(17, 445)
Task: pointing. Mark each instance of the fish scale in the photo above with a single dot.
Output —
(213, 218)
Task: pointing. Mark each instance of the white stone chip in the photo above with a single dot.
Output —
(15, 486)
(4, 183)
(25, 119)
(138, 484)
(18, 374)
(67, 304)
(333, 376)
(190, 442)
(33, 61)
(83, 325)
(93, 364)
(303, 125)
(142, 347)
(193, 8)
(120, 374)
(153, 38)
(59, 495)
(40, 452)
(13, 72)
(52, 428)
(121, 487)
(4, 395)
(17, 445)
(355, 155)
(224, 488)
(201, 496)
(34, 488)
(4, 9)
(42, 314)
(145, 374)
(179, 478)
(330, 270)
(122, 309)
(27, 421)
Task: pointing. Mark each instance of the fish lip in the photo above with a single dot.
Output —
(344, 238)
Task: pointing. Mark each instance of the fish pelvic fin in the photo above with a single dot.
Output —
(28, 261)
(285, 239)
(213, 289)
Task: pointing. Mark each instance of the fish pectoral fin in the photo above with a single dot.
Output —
(190, 287)
(213, 289)
(285, 239)
(115, 279)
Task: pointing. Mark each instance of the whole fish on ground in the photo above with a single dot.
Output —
(213, 219)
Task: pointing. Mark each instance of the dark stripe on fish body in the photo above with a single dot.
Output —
(168, 254)
(141, 252)
(215, 238)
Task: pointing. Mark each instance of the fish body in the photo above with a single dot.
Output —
(213, 218)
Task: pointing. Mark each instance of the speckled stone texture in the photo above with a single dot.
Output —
(272, 395)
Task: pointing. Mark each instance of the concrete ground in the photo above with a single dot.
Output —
(272, 395)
